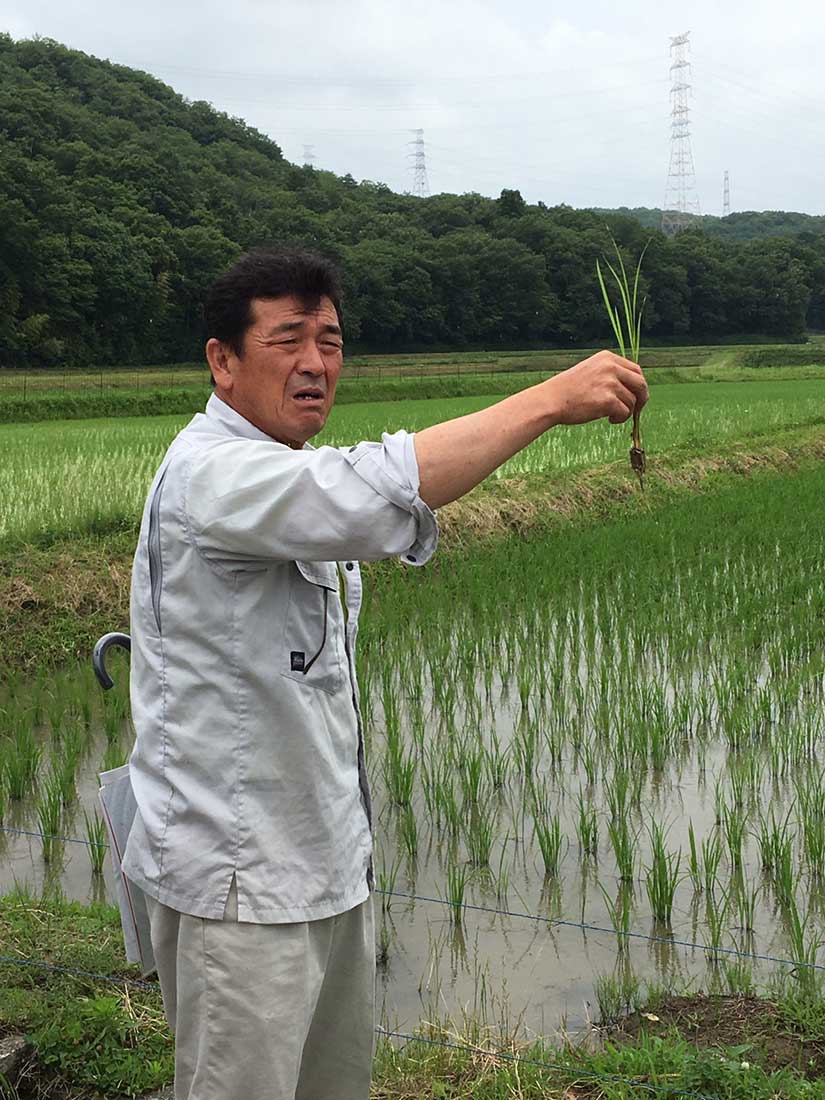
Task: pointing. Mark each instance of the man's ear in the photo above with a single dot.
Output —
(217, 356)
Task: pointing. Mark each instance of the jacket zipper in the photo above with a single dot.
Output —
(155, 558)
(312, 660)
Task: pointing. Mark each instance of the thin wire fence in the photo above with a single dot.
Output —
(29, 385)
(560, 922)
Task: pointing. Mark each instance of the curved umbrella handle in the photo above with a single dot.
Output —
(99, 656)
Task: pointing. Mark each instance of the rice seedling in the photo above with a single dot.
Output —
(746, 897)
(716, 920)
(736, 978)
(625, 848)
(472, 768)
(408, 829)
(693, 860)
(628, 333)
(550, 839)
(497, 766)
(502, 877)
(617, 994)
(399, 774)
(458, 879)
(769, 839)
(588, 758)
(587, 827)
(620, 911)
(480, 835)
(49, 817)
(387, 877)
(96, 841)
(450, 808)
(735, 826)
(62, 773)
(618, 795)
(804, 943)
(662, 876)
(810, 797)
(711, 859)
(114, 757)
(22, 762)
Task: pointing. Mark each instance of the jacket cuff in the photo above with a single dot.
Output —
(391, 468)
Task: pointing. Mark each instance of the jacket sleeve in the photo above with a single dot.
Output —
(250, 501)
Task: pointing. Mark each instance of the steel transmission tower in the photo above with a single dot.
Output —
(681, 197)
(420, 186)
(309, 156)
(726, 196)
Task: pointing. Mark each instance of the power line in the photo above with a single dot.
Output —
(428, 78)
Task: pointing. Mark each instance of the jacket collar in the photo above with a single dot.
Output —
(235, 424)
(232, 422)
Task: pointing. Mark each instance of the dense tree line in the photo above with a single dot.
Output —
(120, 201)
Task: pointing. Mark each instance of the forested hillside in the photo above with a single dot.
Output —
(120, 201)
(743, 225)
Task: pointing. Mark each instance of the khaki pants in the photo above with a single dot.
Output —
(268, 1011)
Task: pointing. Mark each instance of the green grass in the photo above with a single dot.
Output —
(101, 1037)
(66, 478)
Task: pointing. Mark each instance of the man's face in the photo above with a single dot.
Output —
(284, 382)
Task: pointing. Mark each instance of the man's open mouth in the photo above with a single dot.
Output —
(309, 395)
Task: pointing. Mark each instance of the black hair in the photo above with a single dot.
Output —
(267, 272)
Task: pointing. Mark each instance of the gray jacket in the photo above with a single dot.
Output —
(249, 756)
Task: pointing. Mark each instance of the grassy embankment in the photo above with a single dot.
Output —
(91, 1039)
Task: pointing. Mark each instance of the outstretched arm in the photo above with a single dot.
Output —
(455, 456)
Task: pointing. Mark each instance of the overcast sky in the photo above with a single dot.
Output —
(569, 103)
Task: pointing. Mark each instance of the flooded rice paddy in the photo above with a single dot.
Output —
(576, 741)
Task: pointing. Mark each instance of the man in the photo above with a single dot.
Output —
(252, 838)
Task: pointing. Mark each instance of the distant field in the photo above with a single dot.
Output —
(68, 476)
(28, 385)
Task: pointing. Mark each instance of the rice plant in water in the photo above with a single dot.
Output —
(662, 877)
(22, 762)
(458, 878)
(96, 840)
(587, 827)
(49, 817)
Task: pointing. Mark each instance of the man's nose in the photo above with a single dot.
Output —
(311, 362)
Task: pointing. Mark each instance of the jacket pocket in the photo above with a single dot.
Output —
(311, 650)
